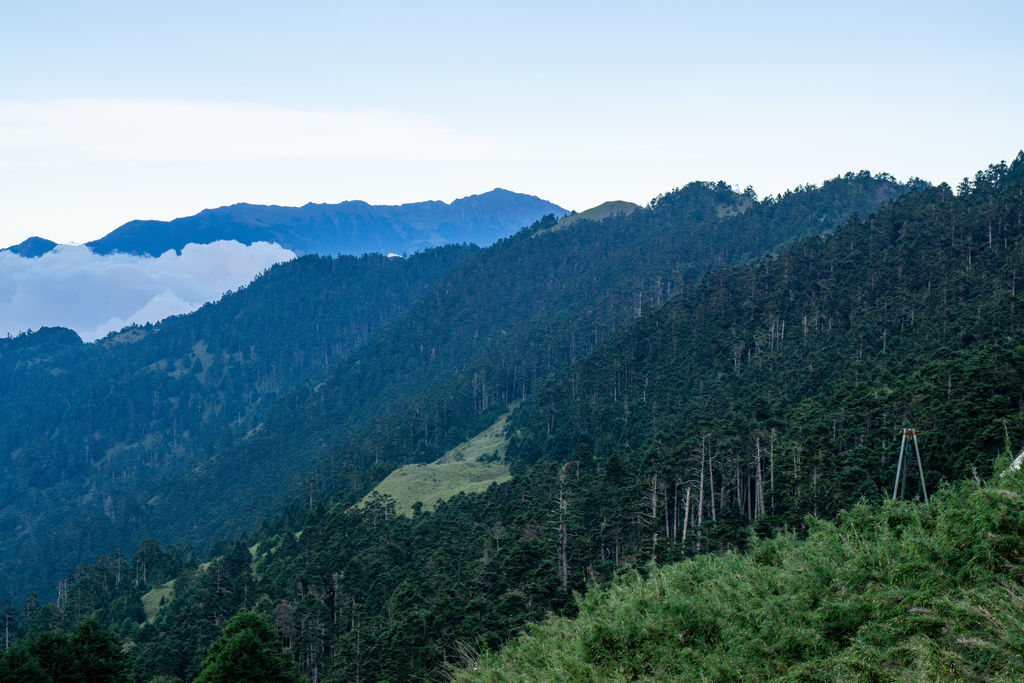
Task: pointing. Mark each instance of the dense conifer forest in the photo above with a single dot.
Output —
(96, 434)
(711, 374)
(175, 431)
(490, 333)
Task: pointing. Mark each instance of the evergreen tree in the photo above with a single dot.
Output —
(247, 650)
(55, 654)
(18, 665)
(99, 655)
(91, 654)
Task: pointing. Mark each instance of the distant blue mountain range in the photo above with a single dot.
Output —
(32, 247)
(352, 227)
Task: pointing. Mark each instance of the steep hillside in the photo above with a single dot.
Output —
(381, 596)
(794, 376)
(352, 227)
(488, 334)
(597, 213)
(373, 595)
(888, 592)
(93, 434)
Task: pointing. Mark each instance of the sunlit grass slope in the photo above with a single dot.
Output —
(470, 467)
(597, 213)
(157, 598)
(489, 444)
(888, 592)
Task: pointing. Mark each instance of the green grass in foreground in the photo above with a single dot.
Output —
(888, 592)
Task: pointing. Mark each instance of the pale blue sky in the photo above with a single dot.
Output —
(118, 110)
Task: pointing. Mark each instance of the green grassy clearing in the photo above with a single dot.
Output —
(485, 444)
(597, 213)
(460, 470)
(433, 483)
(151, 601)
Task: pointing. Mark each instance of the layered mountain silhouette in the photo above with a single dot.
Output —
(352, 227)
(760, 346)
(177, 431)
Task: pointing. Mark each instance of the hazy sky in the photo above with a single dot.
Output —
(117, 110)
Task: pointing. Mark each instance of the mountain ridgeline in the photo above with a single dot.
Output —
(352, 227)
(801, 368)
(31, 247)
(492, 327)
(487, 335)
(689, 430)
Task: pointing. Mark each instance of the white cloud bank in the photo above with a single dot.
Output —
(94, 295)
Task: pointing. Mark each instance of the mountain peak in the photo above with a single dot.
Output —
(32, 247)
(349, 227)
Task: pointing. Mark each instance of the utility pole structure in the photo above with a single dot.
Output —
(900, 487)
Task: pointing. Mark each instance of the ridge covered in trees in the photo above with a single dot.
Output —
(95, 434)
(688, 383)
(490, 333)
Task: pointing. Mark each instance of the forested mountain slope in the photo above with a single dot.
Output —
(352, 227)
(92, 434)
(887, 592)
(801, 369)
(490, 332)
(614, 479)
(156, 437)
(367, 594)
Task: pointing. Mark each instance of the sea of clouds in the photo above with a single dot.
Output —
(94, 295)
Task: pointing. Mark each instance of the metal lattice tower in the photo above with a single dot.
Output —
(900, 487)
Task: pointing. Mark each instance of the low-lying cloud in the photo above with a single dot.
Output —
(94, 295)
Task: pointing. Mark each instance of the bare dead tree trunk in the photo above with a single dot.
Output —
(654, 496)
(700, 489)
(739, 491)
(675, 513)
(686, 515)
(563, 534)
(711, 486)
(814, 488)
(700, 495)
(759, 491)
(664, 509)
(654, 512)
